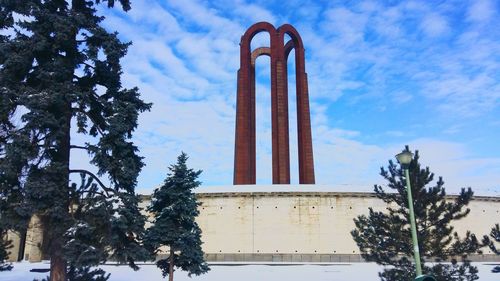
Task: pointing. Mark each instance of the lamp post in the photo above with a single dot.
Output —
(404, 158)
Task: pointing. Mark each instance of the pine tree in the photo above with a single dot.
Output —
(174, 208)
(60, 75)
(385, 237)
(495, 237)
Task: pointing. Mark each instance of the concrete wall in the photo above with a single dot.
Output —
(306, 223)
(304, 226)
(292, 226)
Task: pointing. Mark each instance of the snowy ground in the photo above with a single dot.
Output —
(253, 272)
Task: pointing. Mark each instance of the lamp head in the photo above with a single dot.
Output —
(404, 158)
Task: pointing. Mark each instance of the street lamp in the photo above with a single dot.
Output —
(404, 158)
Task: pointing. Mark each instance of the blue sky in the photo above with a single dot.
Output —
(382, 74)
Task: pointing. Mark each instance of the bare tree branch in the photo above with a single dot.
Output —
(106, 189)
(78, 147)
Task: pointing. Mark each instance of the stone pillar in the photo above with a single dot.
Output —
(279, 113)
(34, 239)
(244, 157)
(245, 143)
(304, 135)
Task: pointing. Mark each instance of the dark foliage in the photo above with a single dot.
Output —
(84, 274)
(384, 237)
(60, 76)
(492, 239)
(174, 207)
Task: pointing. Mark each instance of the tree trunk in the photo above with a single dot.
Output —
(171, 266)
(57, 268)
(58, 263)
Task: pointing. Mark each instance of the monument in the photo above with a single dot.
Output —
(245, 143)
(276, 223)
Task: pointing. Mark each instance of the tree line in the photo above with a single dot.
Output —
(60, 75)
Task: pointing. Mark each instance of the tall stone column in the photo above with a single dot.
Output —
(304, 134)
(279, 113)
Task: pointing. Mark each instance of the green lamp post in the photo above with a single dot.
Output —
(404, 158)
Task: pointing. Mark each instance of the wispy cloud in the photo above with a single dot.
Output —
(434, 25)
(482, 10)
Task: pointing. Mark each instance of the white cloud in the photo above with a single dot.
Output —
(255, 13)
(205, 17)
(401, 97)
(434, 25)
(458, 168)
(450, 160)
(395, 133)
(464, 95)
(387, 22)
(346, 24)
(481, 11)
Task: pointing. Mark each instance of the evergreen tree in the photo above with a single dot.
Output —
(5, 245)
(495, 237)
(60, 75)
(174, 208)
(385, 237)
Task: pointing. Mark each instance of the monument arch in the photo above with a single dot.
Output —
(245, 142)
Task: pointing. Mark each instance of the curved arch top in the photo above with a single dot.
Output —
(245, 142)
(292, 32)
(289, 46)
(261, 51)
(269, 28)
(257, 28)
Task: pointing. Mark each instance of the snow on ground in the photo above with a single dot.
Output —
(248, 272)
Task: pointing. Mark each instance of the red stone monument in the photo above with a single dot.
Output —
(244, 156)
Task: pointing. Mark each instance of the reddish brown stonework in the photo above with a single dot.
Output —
(244, 156)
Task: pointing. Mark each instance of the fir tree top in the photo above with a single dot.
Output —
(424, 196)
(174, 208)
(176, 193)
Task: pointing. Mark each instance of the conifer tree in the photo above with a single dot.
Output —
(385, 237)
(174, 208)
(60, 75)
(491, 242)
(495, 238)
